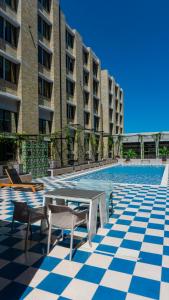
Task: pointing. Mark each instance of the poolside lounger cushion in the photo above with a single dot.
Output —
(16, 182)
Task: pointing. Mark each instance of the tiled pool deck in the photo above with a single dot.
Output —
(129, 258)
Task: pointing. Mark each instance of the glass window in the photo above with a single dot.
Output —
(69, 64)
(40, 60)
(85, 78)
(95, 68)
(70, 88)
(85, 57)
(42, 126)
(10, 34)
(46, 4)
(12, 4)
(1, 67)
(45, 88)
(5, 121)
(70, 113)
(69, 40)
(43, 28)
(46, 30)
(10, 71)
(44, 58)
(95, 88)
(40, 86)
(1, 120)
(1, 27)
(39, 25)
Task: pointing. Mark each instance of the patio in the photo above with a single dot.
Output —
(129, 258)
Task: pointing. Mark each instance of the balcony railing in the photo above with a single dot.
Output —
(69, 97)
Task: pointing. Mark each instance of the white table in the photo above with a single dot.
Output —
(95, 199)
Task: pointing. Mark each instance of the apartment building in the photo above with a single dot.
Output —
(49, 80)
(113, 110)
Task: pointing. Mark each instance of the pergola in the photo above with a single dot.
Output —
(148, 143)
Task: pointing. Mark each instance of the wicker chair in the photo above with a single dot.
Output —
(25, 214)
(63, 217)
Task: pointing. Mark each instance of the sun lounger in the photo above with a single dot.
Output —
(16, 182)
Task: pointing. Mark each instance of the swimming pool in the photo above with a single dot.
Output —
(106, 178)
(149, 175)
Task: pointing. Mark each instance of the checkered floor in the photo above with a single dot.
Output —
(129, 258)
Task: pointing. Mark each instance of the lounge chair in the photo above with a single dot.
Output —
(16, 182)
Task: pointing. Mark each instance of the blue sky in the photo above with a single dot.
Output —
(131, 37)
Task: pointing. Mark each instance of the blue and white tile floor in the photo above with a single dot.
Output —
(129, 258)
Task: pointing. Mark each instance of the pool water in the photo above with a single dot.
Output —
(105, 179)
(127, 174)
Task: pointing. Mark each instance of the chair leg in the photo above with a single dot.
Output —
(27, 234)
(62, 234)
(88, 233)
(47, 221)
(71, 243)
(49, 238)
(12, 225)
(31, 230)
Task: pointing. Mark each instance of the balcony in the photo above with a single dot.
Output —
(44, 101)
(70, 98)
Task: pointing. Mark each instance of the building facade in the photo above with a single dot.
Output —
(113, 110)
(51, 83)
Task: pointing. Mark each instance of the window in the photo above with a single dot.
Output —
(110, 85)
(8, 32)
(12, 4)
(43, 28)
(86, 98)
(86, 118)
(85, 57)
(5, 121)
(96, 106)
(8, 70)
(95, 88)
(46, 4)
(1, 27)
(110, 100)
(70, 113)
(69, 64)
(95, 68)
(85, 78)
(96, 124)
(69, 40)
(121, 120)
(11, 34)
(1, 67)
(44, 58)
(117, 117)
(70, 88)
(44, 88)
(42, 126)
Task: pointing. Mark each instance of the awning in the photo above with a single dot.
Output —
(45, 113)
(10, 57)
(45, 77)
(9, 102)
(9, 18)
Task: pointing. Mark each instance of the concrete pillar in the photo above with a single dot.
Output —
(142, 149)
